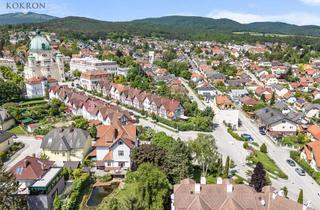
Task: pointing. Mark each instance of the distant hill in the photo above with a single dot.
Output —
(177, 26)
(20, 18)
(170, 26)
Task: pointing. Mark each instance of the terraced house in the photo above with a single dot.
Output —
(142, 100)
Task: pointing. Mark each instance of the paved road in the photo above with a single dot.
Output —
(280, 155)
(32, 146)
(192, 95)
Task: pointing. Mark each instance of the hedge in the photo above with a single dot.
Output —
(235, 135)
(295, 155)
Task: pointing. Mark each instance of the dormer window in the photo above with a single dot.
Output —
(120, 142)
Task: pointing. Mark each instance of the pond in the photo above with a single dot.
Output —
(100, 192)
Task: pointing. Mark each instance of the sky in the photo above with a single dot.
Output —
(299, 12)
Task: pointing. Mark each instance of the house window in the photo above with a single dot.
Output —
(120, 143)
(120, 153)
(109, 164)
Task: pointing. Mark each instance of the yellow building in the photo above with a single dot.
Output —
(6, 121)
(5, 140)
(66, 144)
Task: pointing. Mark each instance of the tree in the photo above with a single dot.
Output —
(9, 187)
(273, 99)
(178, 162)
(9, 91)
(57, 204)
(258, 178)
(43, 156)
(80, 122)
(226, 168)
(93, 131)
(153, 187)
(205, 151)
(300, 197)
(285, 191)
(147, 153)
(263, 148)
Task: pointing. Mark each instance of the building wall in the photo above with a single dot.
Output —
(126, 154)
(45, 202)
(6, 125)
(284, 126)
(4, 146)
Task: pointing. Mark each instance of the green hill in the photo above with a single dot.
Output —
(20, 18)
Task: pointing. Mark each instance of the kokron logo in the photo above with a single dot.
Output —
(26, 5)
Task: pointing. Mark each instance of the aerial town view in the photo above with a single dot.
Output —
(160, 105)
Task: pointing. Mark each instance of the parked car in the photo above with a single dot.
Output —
(291, 162)
(300, 171)
(247, 137)
(262, 130)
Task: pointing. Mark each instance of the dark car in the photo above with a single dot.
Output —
(262, 130)
(300, 171)
(247, 137)
(291, 162)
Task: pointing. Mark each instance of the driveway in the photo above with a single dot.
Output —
(32, 146)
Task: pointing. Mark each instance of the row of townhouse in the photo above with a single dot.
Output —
(116, 133)
(90, 108)
(142, 100)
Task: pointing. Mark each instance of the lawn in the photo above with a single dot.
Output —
(296, 140)
(18, 130)
(268, 163)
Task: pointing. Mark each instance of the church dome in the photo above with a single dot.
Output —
(39, 43)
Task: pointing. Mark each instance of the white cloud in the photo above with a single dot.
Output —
(293, 18)
(311, 2)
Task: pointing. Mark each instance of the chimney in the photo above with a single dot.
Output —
(197, 188)
(26, 163)
(263, 202)
(274, 195)
(219, 180)
(229, 188)
(203, 180)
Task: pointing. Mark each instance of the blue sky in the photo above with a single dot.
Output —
(300, 12)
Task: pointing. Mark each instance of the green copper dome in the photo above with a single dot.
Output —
(39, 43)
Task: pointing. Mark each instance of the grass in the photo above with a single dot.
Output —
(18, 130)
(268, 163)
(295, 140)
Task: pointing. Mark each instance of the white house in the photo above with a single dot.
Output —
(114, 145)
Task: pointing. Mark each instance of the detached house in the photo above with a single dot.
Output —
(66, 144)
(223, 102)
(311, 153)
(277, 123)
(114, 145)
(39, 180)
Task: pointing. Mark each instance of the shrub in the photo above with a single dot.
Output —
(246, 145)
(3, 156)
(234, 135)
(263, 148)
(104, 178)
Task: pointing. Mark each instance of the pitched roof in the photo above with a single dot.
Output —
(65, 139)
(31, 168)
(314, 148)
(217, 197)
(314, 130)
(4, 135)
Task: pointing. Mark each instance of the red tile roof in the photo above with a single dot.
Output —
(31, 168)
